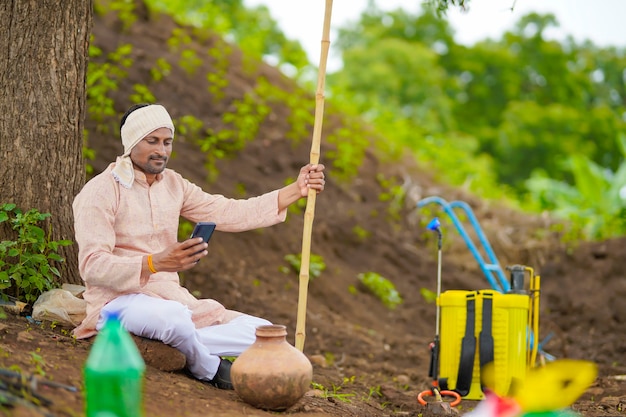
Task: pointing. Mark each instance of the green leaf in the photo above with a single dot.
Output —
(8, 207)
(39, 259)
(55, 257)
(37, 233)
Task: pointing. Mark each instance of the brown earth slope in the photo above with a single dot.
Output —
(371, 360)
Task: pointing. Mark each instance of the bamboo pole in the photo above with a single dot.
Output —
(309, 213)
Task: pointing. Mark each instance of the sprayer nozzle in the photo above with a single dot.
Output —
(434, 224)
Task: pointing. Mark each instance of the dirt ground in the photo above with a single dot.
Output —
(371, 360)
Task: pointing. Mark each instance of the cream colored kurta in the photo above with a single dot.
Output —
(115, 227)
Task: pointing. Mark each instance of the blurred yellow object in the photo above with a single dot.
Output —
(554, 386)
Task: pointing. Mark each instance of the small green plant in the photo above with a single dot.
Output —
(142, 94)
(189, 61)
(161, 69)
(428, 295)
(37, 360)
(374, 392)
(394, 195)
(179, 38)
(26, 264)
(335, 394)
(381, 288)
(361, 233)
(316, 264)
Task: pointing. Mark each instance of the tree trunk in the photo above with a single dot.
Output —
(44, 48)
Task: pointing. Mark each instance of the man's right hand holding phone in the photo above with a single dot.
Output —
(180, 256)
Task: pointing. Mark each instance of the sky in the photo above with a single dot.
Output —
(601, 21)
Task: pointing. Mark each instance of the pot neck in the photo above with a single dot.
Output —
(271, 331)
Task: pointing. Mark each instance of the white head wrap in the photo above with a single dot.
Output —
(139, 124)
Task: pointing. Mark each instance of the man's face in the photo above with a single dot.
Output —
(150, 155)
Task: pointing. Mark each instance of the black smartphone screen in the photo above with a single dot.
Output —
(204, 230)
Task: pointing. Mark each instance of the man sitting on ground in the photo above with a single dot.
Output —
(126, 224)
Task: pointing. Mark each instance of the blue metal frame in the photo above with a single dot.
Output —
(500, 284)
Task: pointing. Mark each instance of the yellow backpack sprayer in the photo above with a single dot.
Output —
(488, 327)
(487, 341)
(497, 326)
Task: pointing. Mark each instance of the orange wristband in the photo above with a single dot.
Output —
(151, 265)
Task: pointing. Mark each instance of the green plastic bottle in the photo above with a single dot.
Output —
(114, 373)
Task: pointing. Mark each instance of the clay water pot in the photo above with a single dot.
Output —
(271, 374)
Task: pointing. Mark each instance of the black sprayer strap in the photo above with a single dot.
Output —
(433, 371)
(485, 340)
(468, 348)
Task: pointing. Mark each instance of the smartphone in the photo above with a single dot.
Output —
(204, 230)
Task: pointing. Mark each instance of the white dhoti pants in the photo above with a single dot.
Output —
(170, 322)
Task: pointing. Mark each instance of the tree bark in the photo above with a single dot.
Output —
(44, 50)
